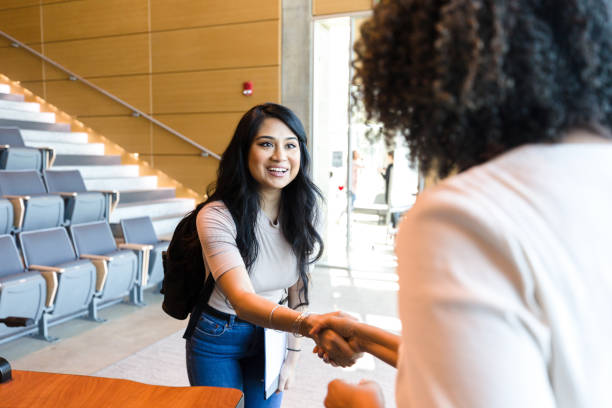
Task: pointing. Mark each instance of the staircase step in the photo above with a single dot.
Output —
(26, 124)
(20, 106)
(85, 159)
(122, 183)
(43, 117)
(173, 207)
(11, 97)
(71, 148)
(5, 88)
(30, 135)
(161, 193)
(119, 170)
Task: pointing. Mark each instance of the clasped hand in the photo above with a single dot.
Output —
(336, 340)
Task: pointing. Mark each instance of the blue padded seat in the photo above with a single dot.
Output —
(6, 216)
(95, 241)
(140, 231)
(22, 293)
(82, 206)
(14, 155)
(35, 208)
(50, 252)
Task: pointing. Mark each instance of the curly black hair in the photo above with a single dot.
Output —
(466, 80)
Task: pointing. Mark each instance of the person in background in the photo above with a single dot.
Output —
(505, 268)
(356, 166)
(386, 173)
(258, 237)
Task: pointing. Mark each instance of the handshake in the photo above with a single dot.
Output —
(341, 341)
(336, 338)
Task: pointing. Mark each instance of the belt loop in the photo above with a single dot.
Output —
(232, 318)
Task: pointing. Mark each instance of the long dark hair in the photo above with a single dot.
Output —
(238, 190)
(466, 80)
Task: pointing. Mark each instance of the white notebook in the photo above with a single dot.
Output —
(275, 343)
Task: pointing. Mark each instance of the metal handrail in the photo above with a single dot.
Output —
(135, 111)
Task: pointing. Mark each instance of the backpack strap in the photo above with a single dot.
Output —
(209, 285)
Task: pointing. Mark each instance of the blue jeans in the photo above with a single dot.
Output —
(223, 353)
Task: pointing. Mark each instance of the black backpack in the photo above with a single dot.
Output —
(183, 286)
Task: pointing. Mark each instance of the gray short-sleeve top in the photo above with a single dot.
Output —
(274, 270)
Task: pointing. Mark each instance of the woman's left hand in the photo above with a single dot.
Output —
(287, 375)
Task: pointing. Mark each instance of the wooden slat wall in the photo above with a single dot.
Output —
(184, 61)
(323, 7)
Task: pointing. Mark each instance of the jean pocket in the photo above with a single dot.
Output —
(210, 326)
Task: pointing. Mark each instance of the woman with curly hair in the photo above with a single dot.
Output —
(506, 267)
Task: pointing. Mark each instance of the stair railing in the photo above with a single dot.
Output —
(204, 152)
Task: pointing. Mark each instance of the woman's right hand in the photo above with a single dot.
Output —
(340, 322)
(335, 337)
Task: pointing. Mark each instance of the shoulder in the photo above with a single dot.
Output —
(215, 215)
(465, 219)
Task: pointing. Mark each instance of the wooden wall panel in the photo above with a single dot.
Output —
(94, 18)
(9, 4)
(228, 46)
(214, 91)
(194, 171)
(211, 130)
(123, 55)
(20, 65)
(133, 134)
(180, 14)
(80, 100)
(321, 7)
(22, 23)
(34, 87)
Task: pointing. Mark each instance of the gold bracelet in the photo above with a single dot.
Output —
(297, 324)
(271, 313)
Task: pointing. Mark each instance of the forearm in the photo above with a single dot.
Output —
(379, 336)
(388, 355)
(262, 312)
(380, 343)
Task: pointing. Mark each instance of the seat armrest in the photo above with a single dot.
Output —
(48, 156)
(136, 247)
(43, 268)
(50, 278)
(101, 264)
(16, 197)
(112, 200)
(67, 194)
(144, 253)
(92, 257)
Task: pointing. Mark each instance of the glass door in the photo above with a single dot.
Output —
(366, 183)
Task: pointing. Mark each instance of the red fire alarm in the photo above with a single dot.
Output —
(247, 88)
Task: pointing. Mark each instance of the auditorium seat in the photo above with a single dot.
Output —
(34, 208)
(14, 155)
(71, 282)
(140, 231)
(117, 268)
(22, 292)
(82, 206)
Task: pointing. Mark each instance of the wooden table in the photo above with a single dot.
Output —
(31, 389)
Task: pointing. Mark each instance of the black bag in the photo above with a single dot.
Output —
(183, 286)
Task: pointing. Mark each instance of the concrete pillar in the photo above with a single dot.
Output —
(296, 67)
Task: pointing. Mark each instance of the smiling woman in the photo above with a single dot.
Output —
(258, 240)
